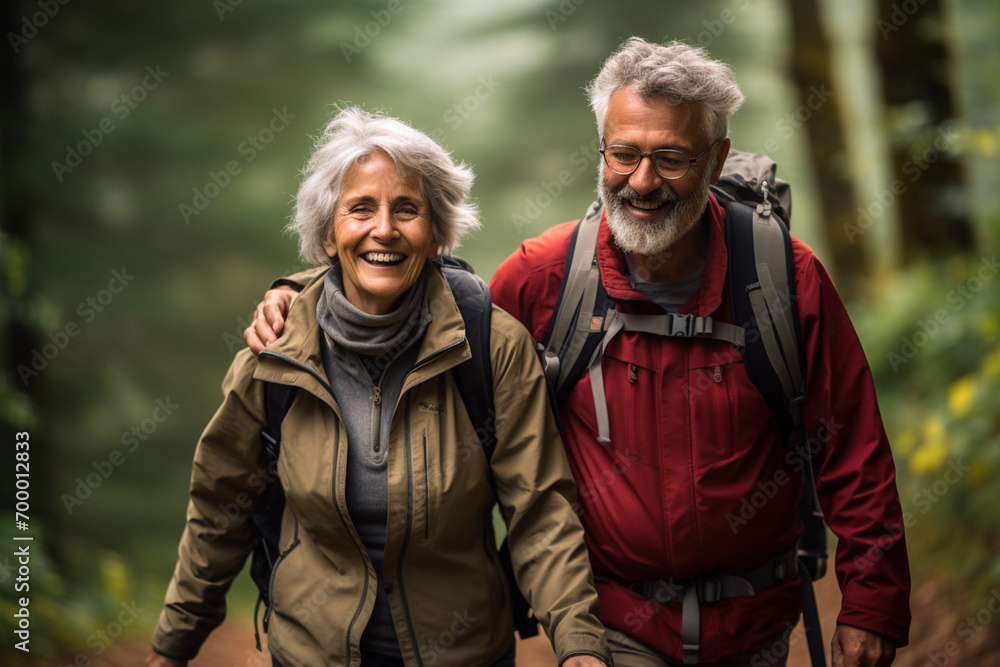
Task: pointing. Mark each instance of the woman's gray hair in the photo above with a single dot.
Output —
(676, 73)
(354, 134)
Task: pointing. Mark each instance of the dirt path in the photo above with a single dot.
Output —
(936, 640)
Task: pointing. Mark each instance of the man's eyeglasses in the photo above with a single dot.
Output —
(668, 163)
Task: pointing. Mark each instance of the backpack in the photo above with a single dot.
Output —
(474, 378)
(762, 298)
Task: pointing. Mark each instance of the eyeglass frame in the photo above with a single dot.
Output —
(691, 160)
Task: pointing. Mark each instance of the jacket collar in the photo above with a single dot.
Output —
(705, 301)
(300, 339)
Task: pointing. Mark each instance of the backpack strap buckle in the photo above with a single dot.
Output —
(682, 324)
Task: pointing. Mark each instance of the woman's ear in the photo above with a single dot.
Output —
(330, 246)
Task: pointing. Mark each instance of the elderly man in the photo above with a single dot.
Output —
(691, 437)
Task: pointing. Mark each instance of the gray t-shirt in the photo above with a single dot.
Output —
(668, 296)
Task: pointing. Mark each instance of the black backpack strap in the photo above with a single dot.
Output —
(278, 399)
(474, 379)
(764, 302)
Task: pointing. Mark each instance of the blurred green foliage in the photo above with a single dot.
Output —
(932, 336)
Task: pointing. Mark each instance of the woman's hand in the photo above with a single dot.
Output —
(157, 660)
(269, 319)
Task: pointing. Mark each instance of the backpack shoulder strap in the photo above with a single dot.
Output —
(764, 301)
(474, 379)
(278, 399)
(762, 294)
(474, 376)
(577, 324)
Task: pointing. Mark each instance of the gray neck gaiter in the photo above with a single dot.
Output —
(372, 335)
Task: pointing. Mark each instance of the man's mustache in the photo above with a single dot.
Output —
(659, 197)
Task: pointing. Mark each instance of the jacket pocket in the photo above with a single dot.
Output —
(282, 557)
(632, 390)
(713, 406)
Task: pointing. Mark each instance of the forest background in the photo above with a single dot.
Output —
(150, 156)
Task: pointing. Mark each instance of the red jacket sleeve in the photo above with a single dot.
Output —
(856, 477)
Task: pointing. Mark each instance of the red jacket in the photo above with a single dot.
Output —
(696, 480)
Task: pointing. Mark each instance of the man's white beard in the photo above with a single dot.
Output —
(649, 237)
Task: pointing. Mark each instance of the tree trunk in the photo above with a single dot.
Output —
(819, 116)
(928, 182)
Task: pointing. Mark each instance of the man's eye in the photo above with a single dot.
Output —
(670, 161)
(625, 157)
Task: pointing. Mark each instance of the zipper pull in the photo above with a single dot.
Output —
(718, 374)
(632, 373)
(378, 395)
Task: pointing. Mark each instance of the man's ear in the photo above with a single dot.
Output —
(722, 154)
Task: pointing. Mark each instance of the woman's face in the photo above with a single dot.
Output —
(381, 233)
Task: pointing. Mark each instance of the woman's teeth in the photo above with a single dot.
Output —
(383, 257)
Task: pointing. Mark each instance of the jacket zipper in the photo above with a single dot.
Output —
(274, 571)
(376, 432)
(427, 494)
(406, 534)
(349, 650)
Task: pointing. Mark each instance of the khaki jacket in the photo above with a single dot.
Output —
(446, 591)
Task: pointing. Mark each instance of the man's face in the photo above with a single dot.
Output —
(646, 213)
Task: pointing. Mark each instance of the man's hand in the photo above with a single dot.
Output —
(157, 660)
(854, 647)
(584, 661)
(269, 319)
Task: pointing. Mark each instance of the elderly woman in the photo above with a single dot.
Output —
(387, 554)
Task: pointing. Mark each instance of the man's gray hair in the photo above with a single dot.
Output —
(676, 73)
(354, 134)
